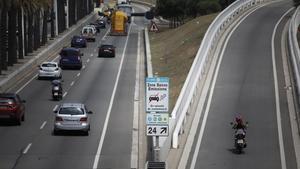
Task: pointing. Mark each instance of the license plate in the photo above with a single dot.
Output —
(78, 40)
(55, 94)
(240, 141)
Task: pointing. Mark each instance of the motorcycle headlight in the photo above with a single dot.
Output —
(56, 88)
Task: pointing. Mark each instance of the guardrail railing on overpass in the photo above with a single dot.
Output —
(189, 91)
(295, 53)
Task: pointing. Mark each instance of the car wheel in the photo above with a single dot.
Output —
(18, 121)
(23, 117)
(55, 132)
(86, 133)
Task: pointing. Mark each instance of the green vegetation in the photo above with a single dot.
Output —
(296, 2)
(173, 52)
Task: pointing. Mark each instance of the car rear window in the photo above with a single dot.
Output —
(4, 100)
(71, 111)
(48, 65)
(87, 30)
(69, 53)
(106, 46)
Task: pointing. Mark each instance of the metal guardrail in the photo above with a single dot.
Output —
(209, 42)
(295, 53)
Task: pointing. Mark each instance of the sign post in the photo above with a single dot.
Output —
(157, 107)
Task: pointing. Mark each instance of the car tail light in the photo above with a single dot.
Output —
(12, 107)
(59, 119)
(83, 119)
(79, 58)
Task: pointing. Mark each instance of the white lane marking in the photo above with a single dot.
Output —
(72, 83)
(83, 67)
(27, 148)
(92, 53)
(277, 99)
(65, 94)
(55, 107)
(97, 156)
(135, 137)
(43, 125)
(200, 136)
(26, 83)
(105, 35)
(88, 60)
(78, 74)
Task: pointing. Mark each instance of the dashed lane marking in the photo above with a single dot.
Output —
(55, 107)
(43, 125)
(27, 148)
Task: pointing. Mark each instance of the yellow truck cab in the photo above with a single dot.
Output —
(119, 23)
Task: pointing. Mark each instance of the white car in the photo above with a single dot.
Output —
(49, 70)
(89, 32)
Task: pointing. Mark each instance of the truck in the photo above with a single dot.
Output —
(119, 25)
(127, 8)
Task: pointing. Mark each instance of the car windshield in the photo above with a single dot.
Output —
(48, 65)
(71, 111)
(87, 30)
(69, 53)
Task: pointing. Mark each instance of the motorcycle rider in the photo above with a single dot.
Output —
(239, 123)
(56, 84)
(238, 126)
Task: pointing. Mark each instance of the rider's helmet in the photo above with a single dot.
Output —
(238, 119)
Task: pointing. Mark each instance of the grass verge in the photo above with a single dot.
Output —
(173, 52)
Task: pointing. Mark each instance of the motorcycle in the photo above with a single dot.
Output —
(240, 142)
(56, 90)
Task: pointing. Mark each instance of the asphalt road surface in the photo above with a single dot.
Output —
(245, 84)
(106, 86)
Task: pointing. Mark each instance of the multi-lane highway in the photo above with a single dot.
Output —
(249, 79)
(106, 86)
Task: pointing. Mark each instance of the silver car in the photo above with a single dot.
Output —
(49, 70)
(72, 116)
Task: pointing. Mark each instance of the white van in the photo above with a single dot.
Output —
(122, 2)
(89, 32)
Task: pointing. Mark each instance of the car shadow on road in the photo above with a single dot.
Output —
(69, 133)
(7, 122)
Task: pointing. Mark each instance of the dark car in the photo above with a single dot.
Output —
(78, 41)
(12, 107)
(106, 50)
(97, 26)
(101, 23)
(70, 58)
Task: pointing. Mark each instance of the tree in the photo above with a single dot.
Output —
(12, 41)
(3, 35)
(296, 2)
